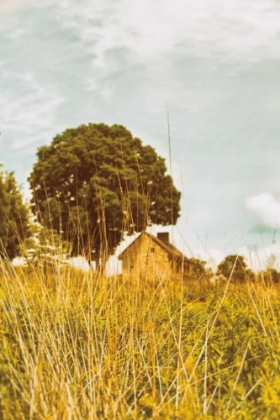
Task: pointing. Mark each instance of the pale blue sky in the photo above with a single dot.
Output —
(213, 63)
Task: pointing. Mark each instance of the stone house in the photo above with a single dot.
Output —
(153, 257)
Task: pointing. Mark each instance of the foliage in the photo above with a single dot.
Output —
(271, 275)
(198, 268)
(96, 182)
(235, 267)
(14, 215)
(79, 346)
(45, 247)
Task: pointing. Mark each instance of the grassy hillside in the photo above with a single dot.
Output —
(76, 346)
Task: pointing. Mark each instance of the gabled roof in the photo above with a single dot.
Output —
(168, 247)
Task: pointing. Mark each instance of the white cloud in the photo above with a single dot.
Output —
(149, 27)
(233, 25)
(80, 263)
(211, 256)
(257, 259)
(262, 258)
(28, 108)
(266, 207)
(8, 6)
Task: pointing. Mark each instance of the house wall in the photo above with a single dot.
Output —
(146, 259)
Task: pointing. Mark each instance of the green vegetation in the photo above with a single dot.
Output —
(75, 346)
(13, 215)
(95, 182)
(234, 266)
(199, 270)
(44, 247)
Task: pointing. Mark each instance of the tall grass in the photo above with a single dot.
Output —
(78, 346)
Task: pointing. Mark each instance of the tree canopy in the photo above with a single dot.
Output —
(13, 215)
(198, 268)
(95, 182)
(234, 266)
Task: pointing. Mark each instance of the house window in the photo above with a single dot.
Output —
(152, 250)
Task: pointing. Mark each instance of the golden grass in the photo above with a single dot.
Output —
(77, 346)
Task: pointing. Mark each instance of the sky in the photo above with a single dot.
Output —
(211, 65)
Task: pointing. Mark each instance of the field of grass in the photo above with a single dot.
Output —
(77, 346)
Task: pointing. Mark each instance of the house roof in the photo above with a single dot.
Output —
(168, 247)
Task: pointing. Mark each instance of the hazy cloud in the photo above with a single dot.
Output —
(153, 32)
(27, 108)
(9, 6)
(154, 27)
(261, 258)
(266, 207)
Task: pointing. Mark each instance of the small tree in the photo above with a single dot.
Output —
(198, 268)
(14, 215)
(45, 247)
(271, 275)
(234, 266)
(96, 182)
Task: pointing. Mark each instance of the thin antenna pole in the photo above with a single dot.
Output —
(170, 170)
(169, 143)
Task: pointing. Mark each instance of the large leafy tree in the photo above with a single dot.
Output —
(14, 220)
(95, 182)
